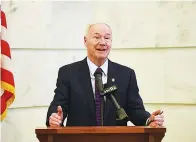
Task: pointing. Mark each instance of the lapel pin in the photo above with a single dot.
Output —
(113, 79)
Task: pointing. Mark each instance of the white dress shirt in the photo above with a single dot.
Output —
(93, 68)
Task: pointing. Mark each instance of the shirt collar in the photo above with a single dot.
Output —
(93, 67)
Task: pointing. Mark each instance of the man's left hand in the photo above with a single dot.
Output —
(156, 119)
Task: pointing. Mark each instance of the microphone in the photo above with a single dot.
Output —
(110, 91)
(98, 80)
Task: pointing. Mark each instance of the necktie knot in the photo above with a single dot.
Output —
(98, 71)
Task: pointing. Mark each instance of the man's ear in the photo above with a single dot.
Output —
(85, 41)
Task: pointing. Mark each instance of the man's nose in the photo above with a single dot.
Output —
(102, 41)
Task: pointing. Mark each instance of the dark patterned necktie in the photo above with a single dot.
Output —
(98, 99)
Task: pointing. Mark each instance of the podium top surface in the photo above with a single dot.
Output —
(100, 130)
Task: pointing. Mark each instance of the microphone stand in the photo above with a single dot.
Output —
(120, 111)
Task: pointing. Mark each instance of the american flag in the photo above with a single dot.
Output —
(7, 78)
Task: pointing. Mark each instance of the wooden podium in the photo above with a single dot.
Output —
(101, 134)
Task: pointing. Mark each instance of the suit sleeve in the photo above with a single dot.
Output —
(60, 97)
(135, 108)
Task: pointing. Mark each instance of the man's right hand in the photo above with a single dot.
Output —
(55, 120)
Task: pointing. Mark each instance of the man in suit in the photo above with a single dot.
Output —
(75, 88)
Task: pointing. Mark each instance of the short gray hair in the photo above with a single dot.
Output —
(90, 25)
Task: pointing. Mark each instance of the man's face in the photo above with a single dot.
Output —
(98, 41)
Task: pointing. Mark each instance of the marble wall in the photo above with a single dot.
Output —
(157, 39)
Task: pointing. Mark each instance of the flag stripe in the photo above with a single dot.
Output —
(7, 76)
(5, 48)
(6, 63)
(7, 87)
(6, 99)
(2, 91)
(4, 34)
(6, 96)
(3, 20)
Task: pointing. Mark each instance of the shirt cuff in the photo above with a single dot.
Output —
(147, 122)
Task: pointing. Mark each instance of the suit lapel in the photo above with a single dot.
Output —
(85, 81)
(110, 82)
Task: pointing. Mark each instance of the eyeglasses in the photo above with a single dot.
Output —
(99, 38)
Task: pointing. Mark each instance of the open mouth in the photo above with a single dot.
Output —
(101, 49)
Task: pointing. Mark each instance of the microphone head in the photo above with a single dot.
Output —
(109, 90)
(98, 79)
